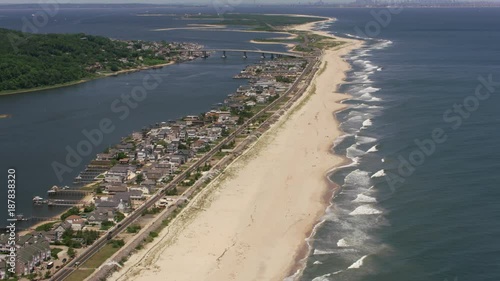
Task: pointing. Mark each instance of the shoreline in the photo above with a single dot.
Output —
(106, 75)
(230, 229)
(296, 269)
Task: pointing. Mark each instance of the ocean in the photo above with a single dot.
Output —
(419, 200)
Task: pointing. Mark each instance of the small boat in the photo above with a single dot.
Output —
(53, 190)
(21, 217)
(37, 200)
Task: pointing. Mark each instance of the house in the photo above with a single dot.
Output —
(60, 228)
(144, 189)
(136, 195)
(77, 222)
(141, 156)
(113, 188)
(178, 159)
(261, 99)
(33, 250)
(199, 144)
(4, 239)
(51, 236)
(118, 202)
(120, 173)
(101, 214)
(149, 183)
(250, 103)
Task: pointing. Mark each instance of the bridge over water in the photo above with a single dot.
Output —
(244, 52)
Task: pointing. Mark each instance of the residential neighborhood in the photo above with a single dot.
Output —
(124, 176)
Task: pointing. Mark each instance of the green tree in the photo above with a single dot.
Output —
(71, 252)
(139, 179)
(119, 216)
(70, 212)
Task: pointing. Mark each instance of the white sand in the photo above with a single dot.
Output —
(251, 223)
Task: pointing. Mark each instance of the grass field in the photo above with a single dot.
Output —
(92, 264)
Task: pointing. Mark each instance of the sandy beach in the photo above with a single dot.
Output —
(251, 223)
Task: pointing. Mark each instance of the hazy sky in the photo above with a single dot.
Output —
(169, 1)
(230, 2)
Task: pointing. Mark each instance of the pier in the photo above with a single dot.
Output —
(67, 192)
(66, 203)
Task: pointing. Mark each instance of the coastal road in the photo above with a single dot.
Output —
(64, 272)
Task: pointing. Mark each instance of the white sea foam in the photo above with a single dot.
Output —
(340, 139)
(364, 106)
(364, 53)
(364, 199)
(363, 77)
(358, 178)
(365, 210)
(367, 123)
(355, 36)
(322, 252)
(293, 277)
(342, 243)
(373, 149)
(370, 90)
(353, 113)
(317, 262)
(358, 263)
(382, 44)
(366, 64)
(322, 277)
(368, 97)
(355, 118)
(353, 152)
(364, 139)
(379, 174)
